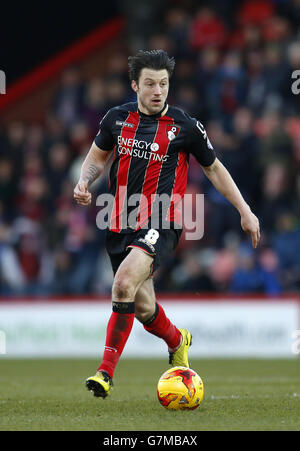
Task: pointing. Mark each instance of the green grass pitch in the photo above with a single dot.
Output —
(49, 395)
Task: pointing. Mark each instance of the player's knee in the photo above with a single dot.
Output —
(143, 313)
(123, 289)
(140, 315)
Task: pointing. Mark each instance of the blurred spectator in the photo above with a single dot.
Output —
(256, 81)
(275, 195)
(207, 29)
(191, 275)
(32, 256)
(177, 28)
(252, 276)
(207, 81)
(57, 168)
(291, 11)
(296, 199)
(241, 158)
(222, 269)
(227, 88)
(246, 38)
(68, 101)
(185, 75)
(34, 141)
(255, 12)
(32, 201)
(117, 67)
(143, 19)
(187, 99)
(63, 267)
(275, 71)
(55, 130)
(238, 152)
(275, 143)
(276, 30)
(13, 146)
(116, 93)
(161, 41)
(80, 135)
(8, 187)
(94, 107)
(287, 246)
(232, 87)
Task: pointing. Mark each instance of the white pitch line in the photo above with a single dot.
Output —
(287, 395)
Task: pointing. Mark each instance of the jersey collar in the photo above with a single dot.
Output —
(162, 113)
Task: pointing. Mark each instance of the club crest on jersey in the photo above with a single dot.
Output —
(172, 132)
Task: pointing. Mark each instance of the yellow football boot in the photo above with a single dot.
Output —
(180, 357)
(101, 384)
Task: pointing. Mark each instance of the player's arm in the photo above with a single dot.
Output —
(95, 161)
(223, 182)
(92, 168)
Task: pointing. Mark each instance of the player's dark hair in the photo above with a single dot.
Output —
(150, 59)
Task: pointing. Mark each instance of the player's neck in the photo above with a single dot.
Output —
(142, 111)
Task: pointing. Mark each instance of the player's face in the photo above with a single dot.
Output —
(152, 90)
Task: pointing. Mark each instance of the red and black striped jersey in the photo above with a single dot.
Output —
(150, 159)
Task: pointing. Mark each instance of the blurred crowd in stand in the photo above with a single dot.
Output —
(234, 73)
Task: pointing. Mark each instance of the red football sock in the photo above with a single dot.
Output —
(118, 331)
(161, 327)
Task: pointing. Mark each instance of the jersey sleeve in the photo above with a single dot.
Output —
(105, 140)
(199, 144)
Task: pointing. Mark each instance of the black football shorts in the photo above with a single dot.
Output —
(156, 243)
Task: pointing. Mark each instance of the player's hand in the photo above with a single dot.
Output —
(250, 225)
(82, 195)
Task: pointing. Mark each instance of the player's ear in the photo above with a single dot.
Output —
(134, 86)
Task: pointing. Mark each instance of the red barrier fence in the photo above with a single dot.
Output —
(71, 55)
